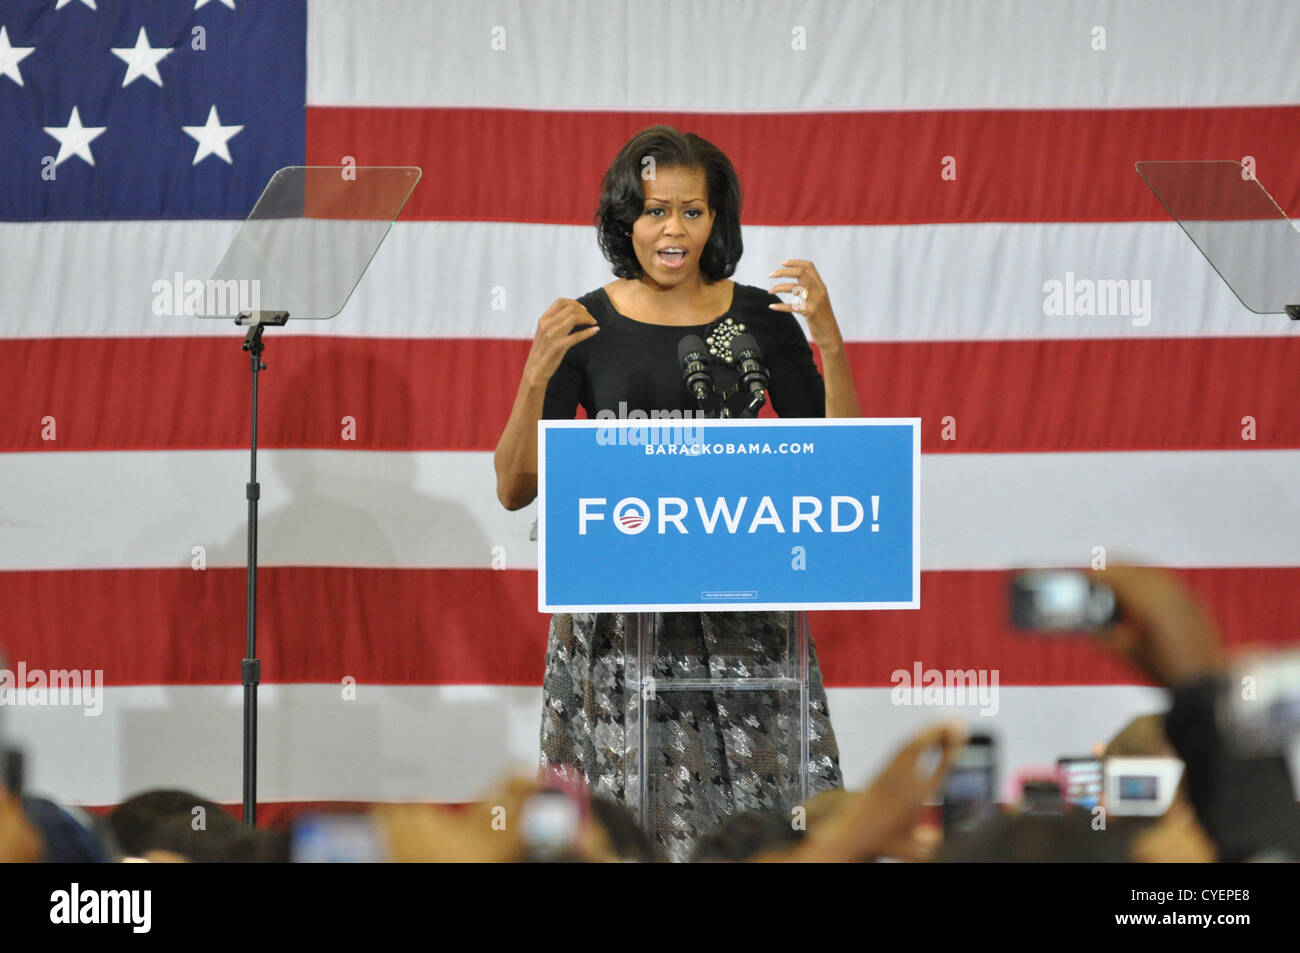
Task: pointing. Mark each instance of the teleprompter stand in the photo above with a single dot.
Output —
(250, 667)
(302, 250)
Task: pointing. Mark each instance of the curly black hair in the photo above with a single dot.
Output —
(622, 201)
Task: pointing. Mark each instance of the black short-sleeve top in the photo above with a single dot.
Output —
(631, 365)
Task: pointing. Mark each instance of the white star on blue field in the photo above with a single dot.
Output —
(144, 109)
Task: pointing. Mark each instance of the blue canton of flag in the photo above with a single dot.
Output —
(136, 109)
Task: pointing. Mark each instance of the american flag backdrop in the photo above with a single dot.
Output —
(941, 162)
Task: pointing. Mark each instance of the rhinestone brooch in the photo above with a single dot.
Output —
(719, 340)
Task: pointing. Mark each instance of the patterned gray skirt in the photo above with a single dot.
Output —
(718, 753)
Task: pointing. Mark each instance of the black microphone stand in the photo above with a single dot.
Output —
(753, 374)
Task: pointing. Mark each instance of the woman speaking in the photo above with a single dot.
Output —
(669, 223)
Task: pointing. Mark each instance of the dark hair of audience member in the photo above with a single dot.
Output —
(744, 836)
(1069, 837)
(168, 821)
(626, 838)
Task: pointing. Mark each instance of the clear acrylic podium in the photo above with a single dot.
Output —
(738, 679)
(1239, 228)
(687, 682)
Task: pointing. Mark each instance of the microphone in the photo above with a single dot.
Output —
(693, 357)
(753, 374)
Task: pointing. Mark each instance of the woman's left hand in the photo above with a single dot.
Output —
(811, 300)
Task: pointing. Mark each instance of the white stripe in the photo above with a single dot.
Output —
(318, 508)
(439, 509)
(452, 742)
(740, 55)
(494, 280)
(1032, 726)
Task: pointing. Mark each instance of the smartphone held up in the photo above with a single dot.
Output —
(1059, 601)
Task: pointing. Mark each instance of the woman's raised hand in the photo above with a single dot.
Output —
(555, 335)
(811, 300)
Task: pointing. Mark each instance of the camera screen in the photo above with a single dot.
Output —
(1139, 787)
(1062, 599)
(1081, 781)
(967, 784)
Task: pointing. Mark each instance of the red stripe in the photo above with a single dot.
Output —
(193, 393)
(842, 168)
(1080, 395)
(472, 626)
(1037, 395)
